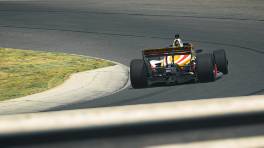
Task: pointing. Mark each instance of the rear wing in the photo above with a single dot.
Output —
(168, 51)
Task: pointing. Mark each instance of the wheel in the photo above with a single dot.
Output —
(205, 67)
(221, 60)
(138, 74)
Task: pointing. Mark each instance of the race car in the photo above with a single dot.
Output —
(174, 65)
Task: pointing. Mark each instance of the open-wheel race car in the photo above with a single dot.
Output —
(177, 65)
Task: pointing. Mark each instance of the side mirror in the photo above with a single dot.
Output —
(198, 50)
(170, 46)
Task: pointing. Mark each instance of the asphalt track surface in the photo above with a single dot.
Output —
(118, 30)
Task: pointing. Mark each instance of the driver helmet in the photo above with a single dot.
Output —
(176, 43)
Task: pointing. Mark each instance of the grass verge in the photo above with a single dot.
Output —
(25, 72)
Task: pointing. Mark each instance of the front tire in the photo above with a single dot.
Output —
(205, 67)
(138, 74)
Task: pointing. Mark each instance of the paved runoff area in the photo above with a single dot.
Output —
(82, 86)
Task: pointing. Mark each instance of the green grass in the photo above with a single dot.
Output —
(25, 72)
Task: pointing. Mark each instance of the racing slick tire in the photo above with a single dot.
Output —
(138, 74)
(205, 66)
(221, 60)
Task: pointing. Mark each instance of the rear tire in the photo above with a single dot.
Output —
(205, 67)
(138, 74)
(221, 61)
